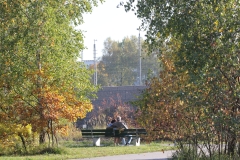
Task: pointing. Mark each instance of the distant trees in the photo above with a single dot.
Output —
(119, 65)
(42, 86)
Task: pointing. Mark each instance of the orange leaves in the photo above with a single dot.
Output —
(35, 62)
(56, 106)
(63, 130)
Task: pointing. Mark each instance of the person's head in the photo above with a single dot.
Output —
(118, 118)
(113, 121)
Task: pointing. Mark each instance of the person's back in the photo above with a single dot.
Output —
(120, 125)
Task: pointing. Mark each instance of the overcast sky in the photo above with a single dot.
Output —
(105, 21)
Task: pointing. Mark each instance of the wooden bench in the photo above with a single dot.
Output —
(97, 133)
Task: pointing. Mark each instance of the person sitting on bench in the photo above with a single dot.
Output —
(119, 124)
(111, 123)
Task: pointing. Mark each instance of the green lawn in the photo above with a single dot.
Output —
(74, 150)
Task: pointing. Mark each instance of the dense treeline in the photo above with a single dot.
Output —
(196, 98)
(42, 86)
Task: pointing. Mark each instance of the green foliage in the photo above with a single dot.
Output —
(190, 153)
(41, 81)
(202, 40)
(119, 65)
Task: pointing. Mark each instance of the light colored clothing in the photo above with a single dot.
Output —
(119, 125)
(129, 140)
(122, 125)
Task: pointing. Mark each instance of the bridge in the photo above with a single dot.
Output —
(119, 93)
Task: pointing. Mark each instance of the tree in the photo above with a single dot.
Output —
(208, 51)
(41, 81)
(161, 111)
(119, 65)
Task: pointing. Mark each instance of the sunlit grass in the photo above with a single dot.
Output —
(74, 150)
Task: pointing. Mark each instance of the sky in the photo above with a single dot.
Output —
(106, 20)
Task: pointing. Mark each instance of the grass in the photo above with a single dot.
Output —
(84, 149)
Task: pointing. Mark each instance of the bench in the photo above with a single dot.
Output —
(97, 133)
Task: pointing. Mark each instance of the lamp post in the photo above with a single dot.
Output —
(95, 63)
(140, 61)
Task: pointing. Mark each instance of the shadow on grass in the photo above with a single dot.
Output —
(86, 143)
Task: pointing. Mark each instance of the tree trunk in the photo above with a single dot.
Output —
(42, 137)
(23, 142)
(231, 143)
(52, 133)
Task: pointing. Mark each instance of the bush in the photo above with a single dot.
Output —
(191, 154)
